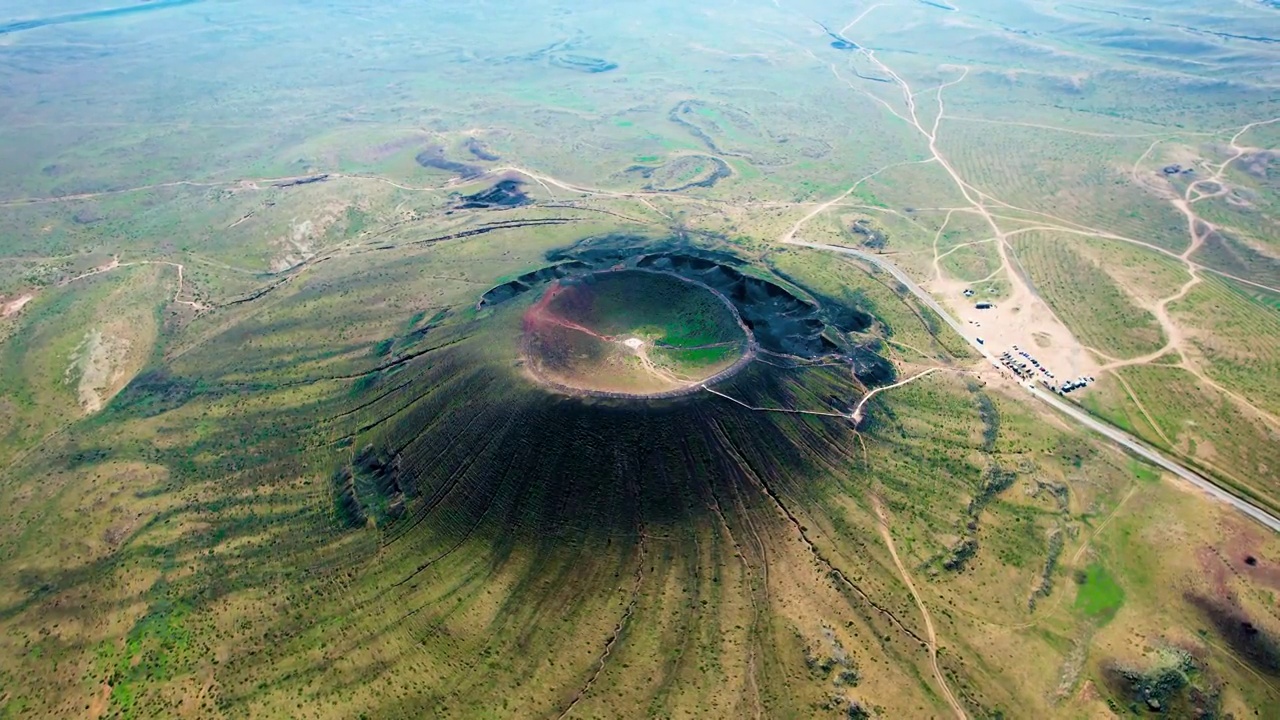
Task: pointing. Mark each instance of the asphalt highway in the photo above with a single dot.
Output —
(1116, 435)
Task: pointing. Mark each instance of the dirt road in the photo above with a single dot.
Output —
(1120, 437)
(930, 634)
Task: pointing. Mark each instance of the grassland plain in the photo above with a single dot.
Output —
(1166, 405)
(1233, 334)
(1093, 306)
(269, 453)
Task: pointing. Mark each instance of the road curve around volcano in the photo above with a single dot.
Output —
(1116, 435)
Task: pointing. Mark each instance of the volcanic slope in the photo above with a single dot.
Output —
(657, 524)
(409, 522)
(274, 444)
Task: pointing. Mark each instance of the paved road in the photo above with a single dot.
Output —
(1120, 437)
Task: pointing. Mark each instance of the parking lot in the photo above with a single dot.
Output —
(1028, 368)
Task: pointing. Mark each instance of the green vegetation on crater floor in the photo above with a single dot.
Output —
(633, 332)
(272, 320)
(656, 306)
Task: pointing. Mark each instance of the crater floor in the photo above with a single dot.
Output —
(634, 333)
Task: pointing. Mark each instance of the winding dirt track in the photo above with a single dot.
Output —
(931, 635)
(1120, 437)
(856, 416)
(978, 203)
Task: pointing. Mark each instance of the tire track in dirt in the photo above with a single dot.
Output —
(749, 574)
(801, 530)
(924, 611)
(617, 629)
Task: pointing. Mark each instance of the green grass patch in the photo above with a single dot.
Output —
(1144, 472)
(972, 263)
(1098, 595)
(696, 359)
(703, 356)
(674, 312)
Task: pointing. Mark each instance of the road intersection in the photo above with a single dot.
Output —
(1120, 437)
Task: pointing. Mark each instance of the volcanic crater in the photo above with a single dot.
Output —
(634, 333)
(533, 417)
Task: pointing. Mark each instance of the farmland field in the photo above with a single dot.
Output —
(1236, 335)
(639, 360)
(1092, 305)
